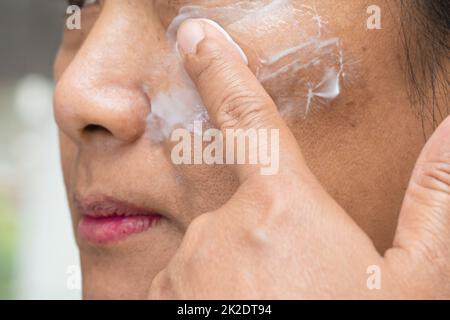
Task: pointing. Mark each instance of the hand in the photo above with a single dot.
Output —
(283, 236)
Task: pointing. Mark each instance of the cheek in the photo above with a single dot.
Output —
(295, 57)
(298, 61)
(206, 187)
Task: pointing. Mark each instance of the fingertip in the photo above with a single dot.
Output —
(227, 37)
(189, 35)
(193, 31)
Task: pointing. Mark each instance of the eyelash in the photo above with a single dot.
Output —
(81, 3)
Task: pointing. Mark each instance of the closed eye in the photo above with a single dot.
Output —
(81, 3)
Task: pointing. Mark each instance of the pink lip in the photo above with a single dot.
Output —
(108, 220)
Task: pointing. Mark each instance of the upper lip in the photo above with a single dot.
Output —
(104, 206)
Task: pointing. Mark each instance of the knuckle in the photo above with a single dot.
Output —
(435, 175)
(242, 108)
(269, 209)
(160, 288)
(198, 245)
(430, 187)
(235, 104)
(210, 61)
(199, 227)
(198, 238)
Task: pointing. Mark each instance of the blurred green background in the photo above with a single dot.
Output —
(37, 251)
(8, 243)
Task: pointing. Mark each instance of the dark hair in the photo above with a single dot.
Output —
(425, 29)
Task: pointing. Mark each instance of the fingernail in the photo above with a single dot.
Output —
(189, 35)
(228, 37)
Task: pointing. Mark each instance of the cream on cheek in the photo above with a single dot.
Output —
(297, 59)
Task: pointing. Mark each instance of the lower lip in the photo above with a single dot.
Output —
(109, 229)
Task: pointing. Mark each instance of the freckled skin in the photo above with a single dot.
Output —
(362, 146)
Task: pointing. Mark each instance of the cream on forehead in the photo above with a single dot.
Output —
(304, 65)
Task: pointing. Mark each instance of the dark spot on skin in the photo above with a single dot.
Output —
(350, 103)
(347, 117)
(364, 49)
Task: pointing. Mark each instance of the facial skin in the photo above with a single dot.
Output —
(362, 146)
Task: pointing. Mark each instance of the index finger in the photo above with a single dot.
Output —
(235, 100)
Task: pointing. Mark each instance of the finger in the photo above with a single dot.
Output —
(234, 98)
(424, 224)
(161, 287)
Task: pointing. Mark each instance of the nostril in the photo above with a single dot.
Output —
(95, 128)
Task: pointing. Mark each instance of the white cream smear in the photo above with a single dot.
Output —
(297, 60)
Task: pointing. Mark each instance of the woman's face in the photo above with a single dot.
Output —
(361, 140)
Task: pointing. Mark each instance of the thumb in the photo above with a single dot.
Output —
(234, 99)
(424, 224)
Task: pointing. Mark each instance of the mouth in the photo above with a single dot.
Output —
(108, 220)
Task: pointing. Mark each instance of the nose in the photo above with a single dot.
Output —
(87, 108)
(102, 92)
